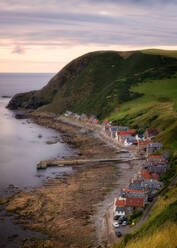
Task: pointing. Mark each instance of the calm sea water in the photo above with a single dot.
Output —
(21, 149)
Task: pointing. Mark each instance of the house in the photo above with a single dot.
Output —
(90, 120)
(151, 133)
(84, 117)
(156, 158)
(146, 174)
(121, 136)
(121, 202)
(135, 202)
(142, 144)
(105, 122)
(77, 117)
(153, 147)
(135, 186)
(155, 176)
(120, 211)
(130, 140)
(68, 113)
(95, 121)
(151, 184)
(157, 169)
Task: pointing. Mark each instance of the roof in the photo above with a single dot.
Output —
(135, 195)
(123, 133)
(144, 142)
(136, 186)
(120, 203)
(155, 145)
(146, 174)
(131, 131)
(132, 190)
(155, 156)
(90, 119)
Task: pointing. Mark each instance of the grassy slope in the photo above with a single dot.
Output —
(170, 53)
(160, 231)
(156, 108)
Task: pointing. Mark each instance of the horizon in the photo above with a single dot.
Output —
(47, 35)
(10, 72)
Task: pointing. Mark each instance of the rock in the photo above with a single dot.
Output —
(51, 142)
(6, 199)
(20, 115)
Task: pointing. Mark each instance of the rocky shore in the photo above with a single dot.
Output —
(65, 209)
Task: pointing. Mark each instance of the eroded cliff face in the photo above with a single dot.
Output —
(97, 83)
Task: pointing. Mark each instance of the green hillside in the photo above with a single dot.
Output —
(157, 107)
(136, 88)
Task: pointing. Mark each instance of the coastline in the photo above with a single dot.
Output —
(95, 185)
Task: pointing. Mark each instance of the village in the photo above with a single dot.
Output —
(128, 207)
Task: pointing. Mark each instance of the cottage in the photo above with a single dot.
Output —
(68, 113)
(130, 140)
(121, 202)
(135, 202)
(122, 136)
(146, 174)
(135, 186)
(90, 120)
(120, 211)
(151, 184)
(77, 117)
(157, 169)
(156, 158)
(84, 117)
(142, 144)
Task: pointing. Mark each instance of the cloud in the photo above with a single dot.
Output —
(72, 22)
(18, 49)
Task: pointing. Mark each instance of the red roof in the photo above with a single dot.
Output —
(146, 174)
(155, 156)
(144, 142)
(105, 122)
(135, 202)
(155, 176)
(125, 133)
(90, 120)
(121, 203)
(132, 190)
(131, 130)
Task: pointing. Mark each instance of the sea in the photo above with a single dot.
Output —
(22, 145)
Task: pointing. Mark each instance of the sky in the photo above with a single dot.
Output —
(44, 35)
